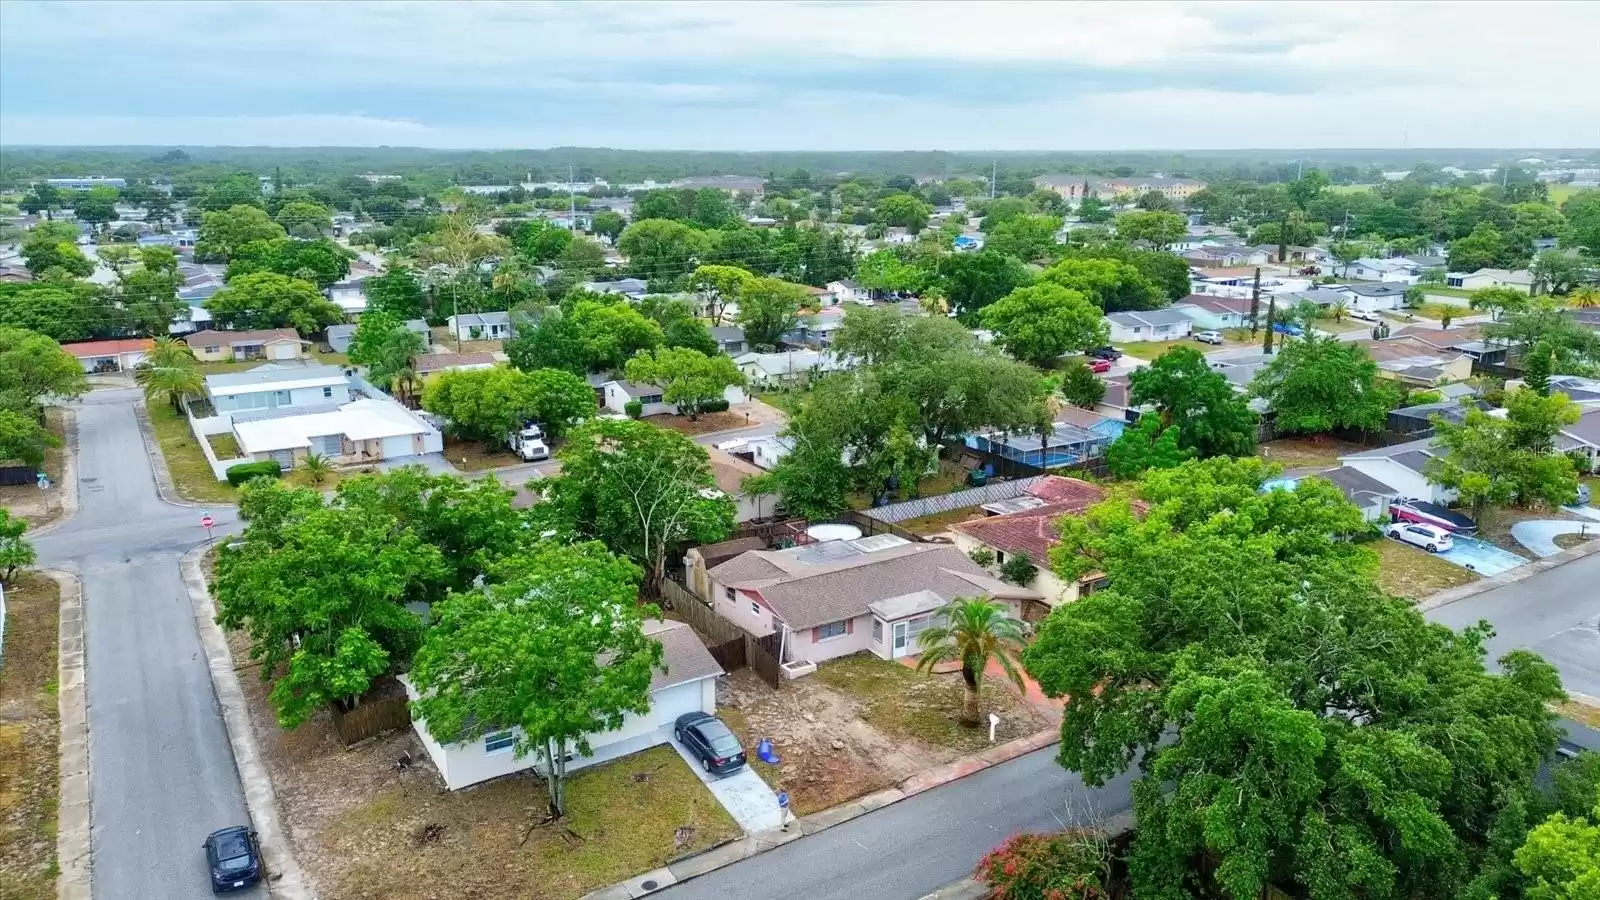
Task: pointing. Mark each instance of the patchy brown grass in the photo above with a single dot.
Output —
(1497, 529)
(1579, 712)
(26, 501)
(1410, 572)
(357, 823)
(29, 739)
(938, 523)
(1304, 452)
(903, 703)
(705, 424)
(1568, 541)
(225, 446)
(191, 473)
(476, 456)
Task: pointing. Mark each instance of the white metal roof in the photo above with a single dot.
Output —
(362, 420)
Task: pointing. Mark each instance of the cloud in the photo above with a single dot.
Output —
(817, 75)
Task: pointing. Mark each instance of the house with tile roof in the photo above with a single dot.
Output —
(1025, 526)
(120, 355)
(276, 344)
(835, 598)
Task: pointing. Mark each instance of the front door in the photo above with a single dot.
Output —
(898, 648)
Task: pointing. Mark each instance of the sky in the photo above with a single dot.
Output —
(801, 76)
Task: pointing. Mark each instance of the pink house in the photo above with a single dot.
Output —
(840, 597)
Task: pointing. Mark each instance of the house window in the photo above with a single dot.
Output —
(1000, 557)
(830, 630)
(728, 592)
(499, 742)
(755, 608)
(650, 398)
(877, 631)
(327, 392)
(212, 349)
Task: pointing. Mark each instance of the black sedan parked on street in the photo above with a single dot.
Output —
(233, 858)
(709, 741)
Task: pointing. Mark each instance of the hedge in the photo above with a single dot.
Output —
(633, 408)
(718, 405)
(243, 472)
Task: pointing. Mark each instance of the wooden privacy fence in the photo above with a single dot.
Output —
(731, 646)
(371, 718)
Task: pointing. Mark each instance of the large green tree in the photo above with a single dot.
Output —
(23, 437)
(1493, 462)
(661, 248)
(270, 300)
(386, 347)
(769, 308)
(1041, 323)
(1288, 718)
(15, 553)
(488, 404)
(169, 372)
(34, 368)
(397, 292)
(1161, 229)
(687, 378)
(1111, 284)
(1144, 446)
(612, 331)
(321, 589)
(972, 281)
(225, 231)
(1212, 419)
(1321, 383)
(321, 261)
(641, 490)
(553, 650)
(717, 287)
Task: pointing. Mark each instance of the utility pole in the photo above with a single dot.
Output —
(994, 173)
(1272, 311)
(1255, 304)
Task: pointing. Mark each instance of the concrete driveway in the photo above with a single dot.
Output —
(743, 794)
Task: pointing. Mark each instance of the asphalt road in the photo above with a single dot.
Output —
(1555, 613)
(918, 845)
(162, 772)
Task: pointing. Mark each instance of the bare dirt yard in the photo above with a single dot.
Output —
(366, 827)
(706, 423)
(26, 501)
(861, 724)
(29, 739)
(1304, 452)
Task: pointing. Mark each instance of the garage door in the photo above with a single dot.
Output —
(674, 701)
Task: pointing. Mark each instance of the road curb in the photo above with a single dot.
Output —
(290, 883)
(165, 487)
(69, 474)
(74, 827)
(1537, 567)
(762, 841)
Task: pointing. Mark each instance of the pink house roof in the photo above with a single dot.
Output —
(96, 349)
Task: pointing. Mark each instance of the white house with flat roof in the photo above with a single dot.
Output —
(362, 431)
(274, 386)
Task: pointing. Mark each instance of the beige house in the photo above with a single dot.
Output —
(1515, 279)
(730, 473)
(237, 346)
(1415, 361)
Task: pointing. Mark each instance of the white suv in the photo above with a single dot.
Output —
(1209, 337)
(1429, 538)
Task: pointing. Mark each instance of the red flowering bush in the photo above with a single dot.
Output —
(1066, 866)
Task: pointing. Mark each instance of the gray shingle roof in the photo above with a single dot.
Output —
(685, 657)
(805, 595)
(1354, 484)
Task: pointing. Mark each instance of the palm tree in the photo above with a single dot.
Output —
(1338, 309)
(316, 467)
(974, 631)
(1585, 297)
(169, 370)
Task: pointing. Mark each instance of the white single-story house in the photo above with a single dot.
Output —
(274, 386)
(1583, 436)
(1517, 280)
(489, 326)
(618, 392)
(687, 683)
(1402, 271)
(225, 346)
(1210, 312)
(1374, 296)
(433, 363)
(1400, 467)
(339, 336)
(1370, 495)
(1149, 325)
(110, 356)
(366, 430)
(349, 296)
(791, 365)
(849, 291)
(835, 598)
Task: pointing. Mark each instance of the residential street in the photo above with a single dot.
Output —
(162, 771)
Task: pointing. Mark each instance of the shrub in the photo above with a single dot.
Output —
(243, 472)
(633, 408)
(1018, 569)
(983, 556)
(1071, 865)
(718, 405)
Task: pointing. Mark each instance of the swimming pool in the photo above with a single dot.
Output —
(1481, 556)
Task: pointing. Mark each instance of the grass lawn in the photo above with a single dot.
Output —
(224, 445)
(940, 522)
(903, 703)
(1497, 531)
(191, 473)
(949, 479)
(1409, 572)
(624, 817)
(314, 357)
(1443, 291)
(1340, 327)
(788, 401)
(29, 738)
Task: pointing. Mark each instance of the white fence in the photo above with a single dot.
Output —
(202, 428)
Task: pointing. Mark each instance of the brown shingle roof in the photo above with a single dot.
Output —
(730, 471)
(92, 349)
(805, 595)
